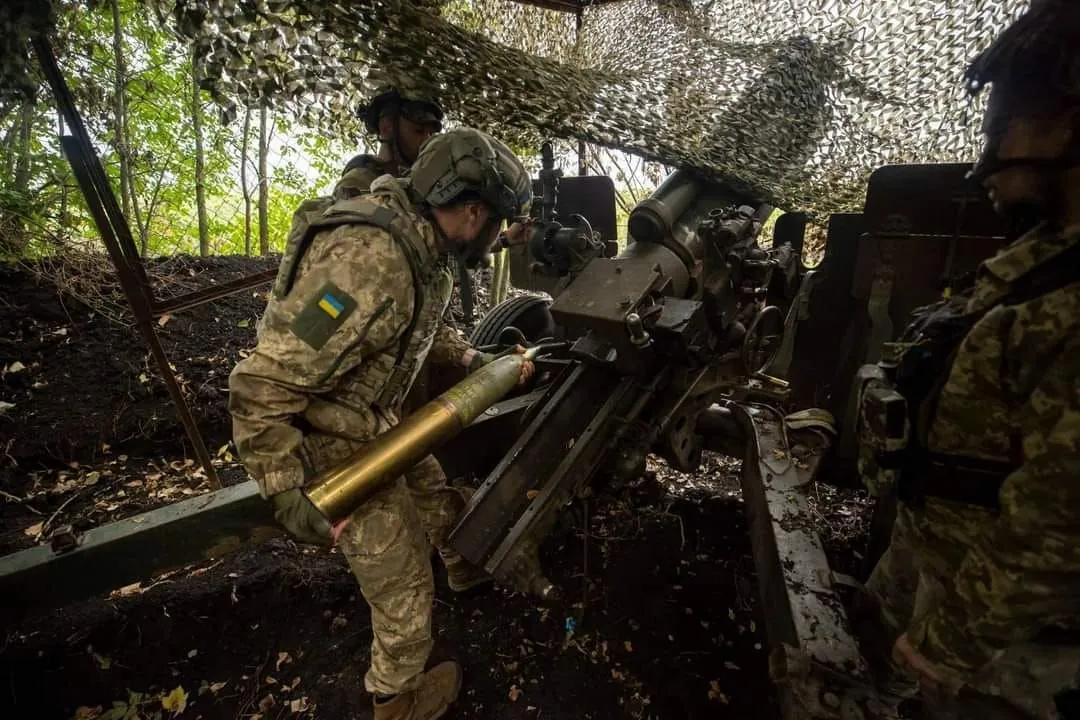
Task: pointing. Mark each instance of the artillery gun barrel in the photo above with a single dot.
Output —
(337, 492)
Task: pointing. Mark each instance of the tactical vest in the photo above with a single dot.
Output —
(384, 379)
(918, 374)
(358, 178)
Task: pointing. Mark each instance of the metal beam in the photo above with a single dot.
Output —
(116, 234)
(201, 297)
(127, 551)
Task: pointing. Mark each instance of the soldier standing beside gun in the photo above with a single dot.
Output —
(402, 118)
(356, 307)
(978, 594)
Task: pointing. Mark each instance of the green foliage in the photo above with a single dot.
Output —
(42, 207)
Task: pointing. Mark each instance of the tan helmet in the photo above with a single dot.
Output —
(467, 161)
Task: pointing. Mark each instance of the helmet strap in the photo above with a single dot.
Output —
(1023, 216)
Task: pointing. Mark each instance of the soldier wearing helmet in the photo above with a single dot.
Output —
(402, 117)
(356, 308)
(977, 598)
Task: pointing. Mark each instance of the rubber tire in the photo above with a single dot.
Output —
(528, 313)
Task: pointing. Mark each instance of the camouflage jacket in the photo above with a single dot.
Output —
(305, 398)
(1013, 392)
(362, 171)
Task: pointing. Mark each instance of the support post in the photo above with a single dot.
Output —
(116, 234)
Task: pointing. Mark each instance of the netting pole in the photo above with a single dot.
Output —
(578, 20)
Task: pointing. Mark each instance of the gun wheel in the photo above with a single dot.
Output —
(527, 313)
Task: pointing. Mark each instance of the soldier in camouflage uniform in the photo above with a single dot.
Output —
(978, 594)
(355, 309)
(402, 117)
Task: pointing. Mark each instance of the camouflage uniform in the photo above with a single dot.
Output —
(978, 593)
(328, 375)
(360, 172)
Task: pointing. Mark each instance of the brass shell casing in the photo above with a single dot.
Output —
(337, 492)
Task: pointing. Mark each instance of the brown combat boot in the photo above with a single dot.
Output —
(462, 575)
(438, 688)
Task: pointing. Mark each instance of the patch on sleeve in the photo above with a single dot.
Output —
(323, 314)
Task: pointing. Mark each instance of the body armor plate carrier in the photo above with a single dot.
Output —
(900, 401)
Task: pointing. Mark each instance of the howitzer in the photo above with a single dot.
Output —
(680, 343)
(690, 313)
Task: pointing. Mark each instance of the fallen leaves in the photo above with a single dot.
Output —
(102, 661)
(266, 703)
(176, 701)
(716, 694)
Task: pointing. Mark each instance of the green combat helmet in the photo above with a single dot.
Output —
(404, 98)
(1033, 69)
(467, 162)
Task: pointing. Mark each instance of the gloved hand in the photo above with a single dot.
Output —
(480, 359)
(301, 518)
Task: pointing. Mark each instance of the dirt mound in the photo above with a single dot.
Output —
(80, 381)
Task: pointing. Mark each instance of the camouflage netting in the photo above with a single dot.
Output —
(793, 101)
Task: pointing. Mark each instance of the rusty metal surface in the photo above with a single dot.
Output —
(814, 658)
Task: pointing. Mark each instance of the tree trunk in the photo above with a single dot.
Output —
(200, 160)
(16, 239)
(141, 225)
(264, 184)
(65, 220)
(244, 183)
(11, 142)
(120, 111)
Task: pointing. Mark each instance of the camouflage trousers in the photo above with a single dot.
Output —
(384, 542)
(439, 504)
(926, 548)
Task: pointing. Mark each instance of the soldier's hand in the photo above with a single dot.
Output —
(517, 234)
(477, 360)
(905, 654)
(301, 518)
(527, 367)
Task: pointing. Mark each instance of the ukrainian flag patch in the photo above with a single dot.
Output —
(323, 314)
(331, 305)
